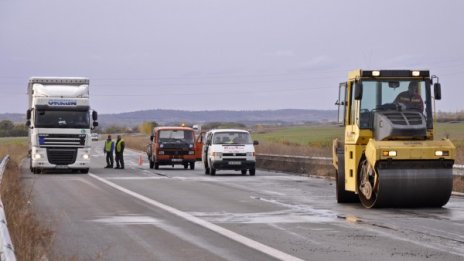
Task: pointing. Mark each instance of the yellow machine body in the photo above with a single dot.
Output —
(388, 149)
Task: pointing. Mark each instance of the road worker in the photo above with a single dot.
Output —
(109, 149)
(120, 144)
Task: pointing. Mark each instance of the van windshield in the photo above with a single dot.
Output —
(176, 136)
(232, 138)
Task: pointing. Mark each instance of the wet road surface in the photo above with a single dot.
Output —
(175, 214)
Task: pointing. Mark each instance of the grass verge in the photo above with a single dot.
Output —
(31, 240)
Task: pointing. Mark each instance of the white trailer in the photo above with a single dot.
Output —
(60, 120)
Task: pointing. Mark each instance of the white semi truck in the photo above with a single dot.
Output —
(60, 120)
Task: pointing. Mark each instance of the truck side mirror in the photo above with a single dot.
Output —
(28, 115)
(95, 124)
(358, 91)
(28, 123)
(255, 142)
(437, 91)
(94, 115)
(151, 138)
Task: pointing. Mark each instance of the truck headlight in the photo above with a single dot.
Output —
(161, 152)
(217, 154)
(250, 154)
(191, 152)
(37, 156)
(85, 156)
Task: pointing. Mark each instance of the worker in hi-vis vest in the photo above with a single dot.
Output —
(108, 149)
(119, 152)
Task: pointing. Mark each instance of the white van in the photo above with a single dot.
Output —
(229, 149)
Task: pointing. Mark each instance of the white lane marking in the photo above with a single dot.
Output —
(288, 216)
(128, 220)
(273, 193)
(215, 228)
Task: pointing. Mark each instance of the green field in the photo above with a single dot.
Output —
(317, 135)
(322, 135)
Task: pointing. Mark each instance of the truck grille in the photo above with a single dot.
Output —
(61, 156)
(62, 140)
(234, 154)
(176, 152)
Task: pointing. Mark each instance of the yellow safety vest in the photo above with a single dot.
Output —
(108, 145)
(118, 145)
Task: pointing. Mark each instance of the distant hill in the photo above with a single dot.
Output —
(285, 116)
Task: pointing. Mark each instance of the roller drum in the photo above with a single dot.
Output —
(414, 187)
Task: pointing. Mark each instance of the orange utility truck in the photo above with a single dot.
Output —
(172, 146)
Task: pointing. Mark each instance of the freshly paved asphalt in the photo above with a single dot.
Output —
(175, 214)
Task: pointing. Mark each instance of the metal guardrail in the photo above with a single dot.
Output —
(6, 246)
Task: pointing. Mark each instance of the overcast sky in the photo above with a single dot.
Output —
(225, 54)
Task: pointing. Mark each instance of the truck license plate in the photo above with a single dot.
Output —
(235, 163)
(61, 166)
(176, 160)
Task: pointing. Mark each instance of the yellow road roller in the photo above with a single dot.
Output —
(389, 157)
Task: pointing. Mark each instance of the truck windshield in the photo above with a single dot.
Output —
(232, 138)
(401, 95)
(176, 136)
(62, 119)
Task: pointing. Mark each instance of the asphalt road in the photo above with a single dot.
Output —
(175, 214)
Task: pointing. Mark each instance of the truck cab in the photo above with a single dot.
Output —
(59, 120)
(229, 149)
(172, 146)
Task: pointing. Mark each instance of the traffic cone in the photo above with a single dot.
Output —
(140, 160)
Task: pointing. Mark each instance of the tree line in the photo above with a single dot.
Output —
(10, 129)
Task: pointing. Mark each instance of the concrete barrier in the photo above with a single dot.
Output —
(6, 247)
(322, 166)
(305, 166)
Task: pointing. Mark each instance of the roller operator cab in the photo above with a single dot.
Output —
(59, 120)
(229, 149)
(389, 157)
(172, 146)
